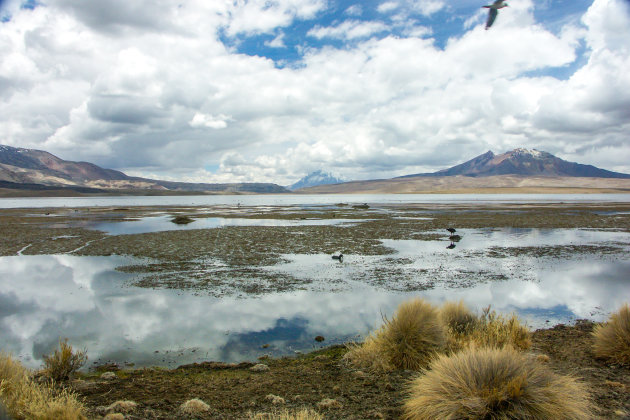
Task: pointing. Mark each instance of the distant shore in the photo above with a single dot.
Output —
(504, 184)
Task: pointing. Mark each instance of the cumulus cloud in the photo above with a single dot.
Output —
(162, 94)
(349, 30)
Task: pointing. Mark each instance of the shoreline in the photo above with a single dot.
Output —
(234, 391)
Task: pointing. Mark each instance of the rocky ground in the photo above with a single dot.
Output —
(312, 380)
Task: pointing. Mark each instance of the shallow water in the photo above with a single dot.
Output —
(304, 199)
(163, 223)
(85, 299)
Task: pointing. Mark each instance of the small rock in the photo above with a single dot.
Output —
(108, 376)
(121, 406)
(275, 400)
(194, 407)
(319, 338)
(329, 403)
(260, 367)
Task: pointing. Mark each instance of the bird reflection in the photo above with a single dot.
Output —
(453, 238)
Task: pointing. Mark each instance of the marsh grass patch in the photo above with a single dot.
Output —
(64, 361)
(492, 383)
(409, 340)
(611, 340)
(24, 398)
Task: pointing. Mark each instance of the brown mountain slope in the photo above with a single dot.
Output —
(464, 184)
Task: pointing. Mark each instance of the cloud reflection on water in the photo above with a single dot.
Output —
(43, 298)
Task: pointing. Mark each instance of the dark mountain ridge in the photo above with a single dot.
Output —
(29, 168)
(522, 162)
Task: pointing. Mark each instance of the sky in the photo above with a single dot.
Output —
(270, 90)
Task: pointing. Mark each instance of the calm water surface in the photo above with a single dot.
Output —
(85, 299)
(304, 199)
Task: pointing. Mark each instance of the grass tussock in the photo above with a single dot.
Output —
(64, 361)
(302, 414)
(23, 398)
(457, 318)
(409, 340)
(492, 383)
(490, 330)
(194, 407)
(612, 339)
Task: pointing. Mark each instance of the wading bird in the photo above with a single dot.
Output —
(494, 10)
(451, 230)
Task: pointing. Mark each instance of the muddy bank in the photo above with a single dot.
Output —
(233, 391)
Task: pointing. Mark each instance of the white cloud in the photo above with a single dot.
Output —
(388, 6)
(351, 29)
(209, 121)
(354, 10)
(163, 95)
(277, 42)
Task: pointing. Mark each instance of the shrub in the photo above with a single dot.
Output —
(408, 341)
(491, 383)
(457, 318)
(612, 339)
(303, 414)
(25, 399)
(497, 331)
(64, 361)
(367, 355)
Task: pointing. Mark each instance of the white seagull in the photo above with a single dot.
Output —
(494, 10)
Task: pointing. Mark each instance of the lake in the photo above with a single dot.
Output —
(85, 298)
(304, 199)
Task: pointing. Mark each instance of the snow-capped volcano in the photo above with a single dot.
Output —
(313, 179)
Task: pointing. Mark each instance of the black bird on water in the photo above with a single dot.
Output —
(494, 11)
(338, 257)
(451, 230)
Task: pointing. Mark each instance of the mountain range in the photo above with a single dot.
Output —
(37, 170)
(41, 173)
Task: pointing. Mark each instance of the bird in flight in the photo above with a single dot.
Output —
(494, 10)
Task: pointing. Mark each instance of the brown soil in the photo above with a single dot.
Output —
(235, 391)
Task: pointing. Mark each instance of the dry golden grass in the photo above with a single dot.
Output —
(25, 399)
(410, 340)
(303, 414)
(60, 365)
(457, 318)
(491, 330)
(367, 355)
(612, 339)
(492, 383)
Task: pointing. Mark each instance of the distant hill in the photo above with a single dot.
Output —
(523, 162)
(315, 178)
(517, 171)
(37, 170)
